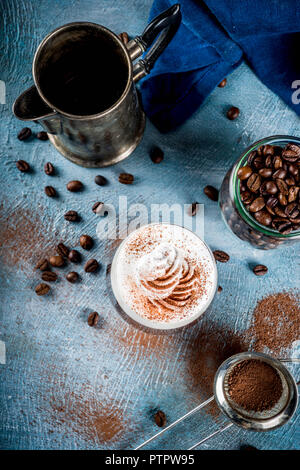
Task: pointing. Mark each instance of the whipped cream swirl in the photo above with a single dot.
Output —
(166, 277)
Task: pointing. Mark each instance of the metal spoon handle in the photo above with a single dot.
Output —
(296, 360)
(211, 435)
(202, 405)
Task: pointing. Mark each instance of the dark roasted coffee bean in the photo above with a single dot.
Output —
(100, 180)
(23, 166)
(42, 264)
(24, 133)
(63, 250)
(156, 154)
(50, 191)
(49, 169)
(281, 224)
(57, 261)
(221, 256)
(42, 135)
(243, 187)
(126, 178)
(91, 266)
(194, 209)
(244, 172)
(258, 163)
(282, 186)
(247, 197)
(263, 217)
(290, 181)
(42, 289)
(254, 182)
(72, 277)
(269, 161)
(257, 205)
(295, 148)
(280, 173)
(292, 210)
(160, 419)
(220, 288)
(97, 207)
(71, 216)
(265, 172)
(223, 83)
(260, 270)
(282, 199)
(272, 202)
(93, 319)
(233, 113)
(74, 186)
(260, 150)
(270, 187)
(293, 170)
(268, 150)
(293, 193)
(49, 276)
(86, 242)
(279, 211)
(74, 256)
(290, 155)
(124, 37)
(251, 157)
(277, 162)
(211, 192)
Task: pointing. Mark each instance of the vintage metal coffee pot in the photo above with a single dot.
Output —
(85, 95)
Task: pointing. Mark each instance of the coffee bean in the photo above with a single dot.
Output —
(160, 419)
(49, 169)
(290, 181)
(295, 148)
(194, 209)
(220, 288)
(93, 319)
(260, 270)
(282, 225)
(74, 186)
(97, 207)
(280, 212)
(233, 113)
(24, 133)
(221, 256)
(74, 256)
(269, 161)
(258, 163)
(254, 182)
(282, 199)
(49, 276)
(277, 162)
(267, 149)
(63, 250)
(126, 178)
(50, 191)
(281, 174)
(100, 180)
(244, 172)
(56, 261)
(247, 197)
(42, 135)
(223, 83)
(124, 37)
(72, 277)
(251, 157)
(71, 216)
(290, 155)
(42, 289)
(282, 186)
(263, 217)
(265, 172)
(257, 204)
(42, 264)
(86, 242)
(91, 266)
(23, 166)
(293, 169)
(211, 192)
(272, 202)
(156, 155)
(269, 188)
(292, 210)
(293, 193)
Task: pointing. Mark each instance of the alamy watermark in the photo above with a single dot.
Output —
(296, 93)
(119, 222)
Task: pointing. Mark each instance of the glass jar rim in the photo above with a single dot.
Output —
(246, 216)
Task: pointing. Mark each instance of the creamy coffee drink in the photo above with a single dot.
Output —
(163, 276)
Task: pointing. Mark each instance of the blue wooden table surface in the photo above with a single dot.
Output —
(66, 385)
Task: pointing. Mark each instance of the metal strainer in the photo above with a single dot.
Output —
(282, 411)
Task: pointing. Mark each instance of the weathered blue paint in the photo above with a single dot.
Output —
(66, 385)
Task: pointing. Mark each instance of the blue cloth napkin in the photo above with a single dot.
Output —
(214, 38)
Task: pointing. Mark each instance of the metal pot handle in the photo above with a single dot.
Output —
(167, 23)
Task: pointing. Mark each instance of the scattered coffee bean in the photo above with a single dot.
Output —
(74, 186)
(223, 83)
(72, 277)
(49, 276)
(233, 113)
(160, 419)
(260, 270)
(93, 319)
(220, 288)
(50, 191)
(49, 169)
(24, 133)
(86, 242)
(97, 207)
(71, 216)
(124, 37)
(42, 289)
(23, 166)
(194, 209)
(100, 180)
(63, 250)
(221, 256)
(57, 261)
(42, 135)
(74, 256)
(91, 266)
(126, 178)
(156, 155)
(211, 192)
(42, 264)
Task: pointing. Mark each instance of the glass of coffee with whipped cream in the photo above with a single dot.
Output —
(163, 276)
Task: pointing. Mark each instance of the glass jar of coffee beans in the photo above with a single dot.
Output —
(260, 195)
